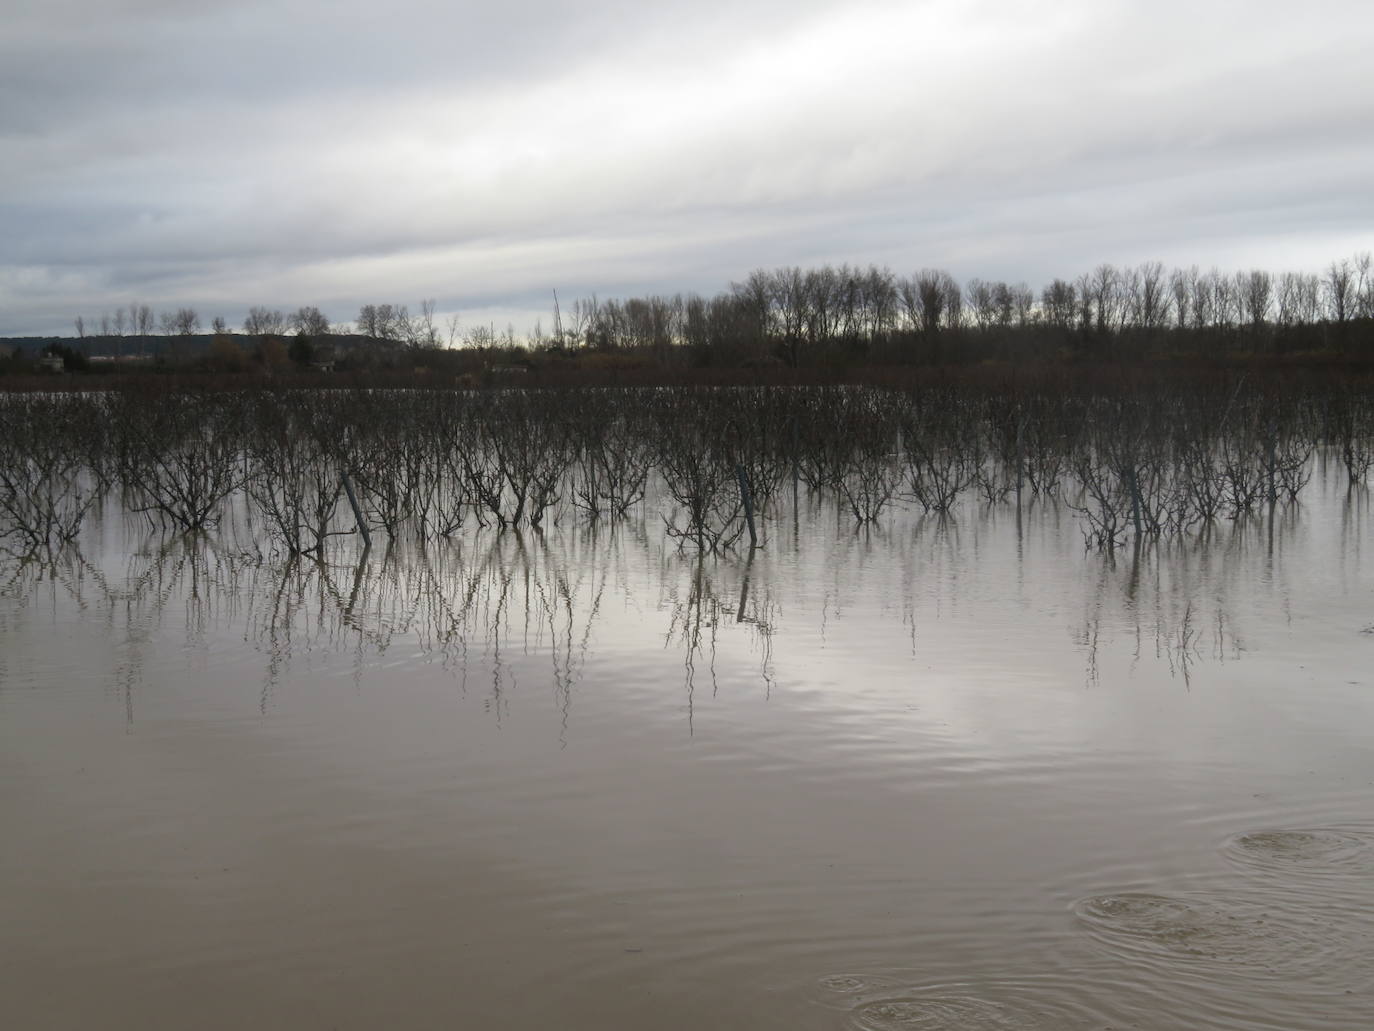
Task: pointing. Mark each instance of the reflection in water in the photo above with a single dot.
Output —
(481, 598)
(1176, 600)
(698, 609)
(458, 602)
(853, 779)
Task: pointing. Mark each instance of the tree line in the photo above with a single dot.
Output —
(863, 315)
(794, 315)
(137, 321)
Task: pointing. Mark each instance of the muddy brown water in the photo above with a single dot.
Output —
(956, 775)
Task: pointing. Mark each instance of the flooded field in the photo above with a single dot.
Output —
(931, 772)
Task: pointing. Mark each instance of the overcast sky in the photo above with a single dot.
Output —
(290, 152)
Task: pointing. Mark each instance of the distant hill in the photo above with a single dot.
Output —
(183, 347)
(98, 346)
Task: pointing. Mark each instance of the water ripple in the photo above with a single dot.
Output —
(996, 1007)
(1316, 852)
(1213, 931)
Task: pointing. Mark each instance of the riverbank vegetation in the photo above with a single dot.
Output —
(1141, 461)
(787, 325)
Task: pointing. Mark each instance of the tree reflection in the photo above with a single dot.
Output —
(1178, 600)
(500, 611)
(700, 609)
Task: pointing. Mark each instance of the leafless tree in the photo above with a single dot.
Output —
(1022, 304)
(46, 487)
(1287, 296)
(187, 321)
(262, 322)
(1058, 301)
(426, 333)
(982, 298)
(754, 296)
(1363, 290)
(1105, 287)
(1183, 290)
(296, 483)
(386, 322)
(1154, 297)
(1256, 288)
(954, 304)
(1337, 283)
(941, 457)
(182, 455)
(309, 321)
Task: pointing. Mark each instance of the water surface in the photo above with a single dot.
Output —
(933, 775)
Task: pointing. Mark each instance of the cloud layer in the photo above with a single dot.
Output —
(222, 156)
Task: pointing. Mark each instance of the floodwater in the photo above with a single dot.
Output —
(936, 775)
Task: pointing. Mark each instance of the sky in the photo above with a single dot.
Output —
(298, 152)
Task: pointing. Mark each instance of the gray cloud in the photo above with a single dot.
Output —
(335, 154)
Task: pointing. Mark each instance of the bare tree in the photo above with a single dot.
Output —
(1154, 299)
(821, 292)
(480, 338)
(1057, 301)
(141, 323)
(404, 327)
(309, 321)
(983, 299)
(1131, 309)
(385, 322)
(754, 298)
(1023, 304)
(1004, 304)
(427, 334)
(880, 302)
(1257, 292)
(1338, 283)
(45, 488)
(1105, 285)
(1204, 302)
(371, 322)
(1310, 291)
(1231, 299)
(787, 301)
(926, 299)
(187, 322)
(954, 303)
(1286, 294)
(1083, 286)
(1363, 290)
(262, 322)
(1181, 286)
